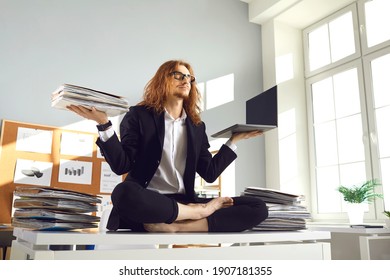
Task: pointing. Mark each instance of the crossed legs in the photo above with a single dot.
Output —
(192, 217)
(141, 209)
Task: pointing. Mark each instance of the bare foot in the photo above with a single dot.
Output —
(197, 211)
(195, 217)
(213, 205)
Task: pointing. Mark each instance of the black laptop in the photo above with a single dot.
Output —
(261, 114)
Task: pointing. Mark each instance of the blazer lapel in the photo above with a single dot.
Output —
(190, 139)
(193, 147)
(160, 126)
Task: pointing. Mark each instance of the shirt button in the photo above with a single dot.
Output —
(146, 183)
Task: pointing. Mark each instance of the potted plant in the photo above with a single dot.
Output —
(356, 196)
(387, 214)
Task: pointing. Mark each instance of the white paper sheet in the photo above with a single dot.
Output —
(76, 144)
(108, 179)
(77, 172)
(34, 140)
(33, 172)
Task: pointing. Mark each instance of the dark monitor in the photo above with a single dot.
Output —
(263, 108)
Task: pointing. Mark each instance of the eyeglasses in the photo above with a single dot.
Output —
(180, 76)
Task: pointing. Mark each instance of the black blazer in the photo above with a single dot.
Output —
(139, 151)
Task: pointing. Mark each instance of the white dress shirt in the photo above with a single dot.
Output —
(169, 175)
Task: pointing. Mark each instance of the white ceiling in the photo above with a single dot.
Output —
(307, 12)
(298, 13)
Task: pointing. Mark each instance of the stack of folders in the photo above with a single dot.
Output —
(285, 211)
(43, 208)
(67, 94)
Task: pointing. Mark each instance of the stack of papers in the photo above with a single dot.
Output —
(281, 224)
(43, 208)
(285, 209)
(68, 94)
(274, 196)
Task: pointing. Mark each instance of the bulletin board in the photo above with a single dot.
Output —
(39, 155)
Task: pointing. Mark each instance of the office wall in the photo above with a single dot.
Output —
(116, 46)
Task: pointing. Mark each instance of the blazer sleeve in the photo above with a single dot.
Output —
(210, 167)
(120, 154)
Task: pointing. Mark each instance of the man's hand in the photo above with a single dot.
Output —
(244, 135)
(89, 114)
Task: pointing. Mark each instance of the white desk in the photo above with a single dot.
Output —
(358, 243)
(301, 245)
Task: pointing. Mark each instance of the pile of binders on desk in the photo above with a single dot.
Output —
(43, 208)
(285, 210)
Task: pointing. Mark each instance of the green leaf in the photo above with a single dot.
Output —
(362, 193)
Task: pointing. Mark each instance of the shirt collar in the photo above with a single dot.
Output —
(181, 118)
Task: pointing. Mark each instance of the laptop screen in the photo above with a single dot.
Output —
(263, 108)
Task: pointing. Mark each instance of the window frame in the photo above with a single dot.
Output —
(357, 63)
(376, 169)
(362, 60)
(350, 8)
(363, 32)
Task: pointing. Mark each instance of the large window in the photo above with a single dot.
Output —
(347, 58)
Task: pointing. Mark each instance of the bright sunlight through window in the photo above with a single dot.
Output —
(219, 91)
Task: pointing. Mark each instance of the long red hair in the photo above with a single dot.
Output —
(156, 91)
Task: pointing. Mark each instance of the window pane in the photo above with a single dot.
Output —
(380, 68)
(383, 132)
(323, 103)
(346, 92)
(342, 41)
(326, 145)
(377, 21)
(350, 139)
(352, 174)
(319, 52)
(329, 199)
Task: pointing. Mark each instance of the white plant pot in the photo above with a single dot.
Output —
(355, 213)
(387, 223)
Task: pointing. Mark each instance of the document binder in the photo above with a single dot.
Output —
(44, 208)
(285, 212)
(68, 94)
(45, 192)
